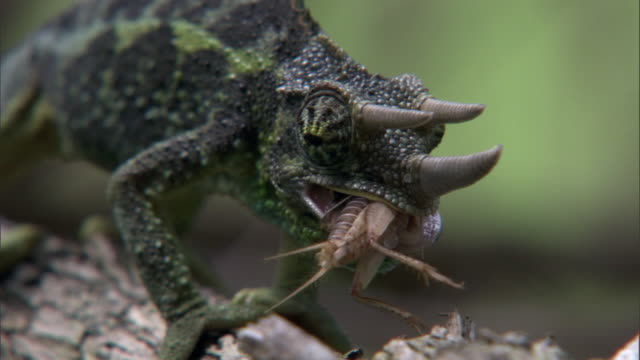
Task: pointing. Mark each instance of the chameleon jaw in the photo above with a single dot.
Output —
(322, 200)
(365, 232)
(419, 230)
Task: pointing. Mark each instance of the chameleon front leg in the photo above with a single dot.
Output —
(135, 191)
(292, 272)
(304, 309)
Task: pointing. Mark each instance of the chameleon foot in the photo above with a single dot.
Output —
(17, 242)
(304, 312)
(259, 297)
(97, 225)
(184, 332)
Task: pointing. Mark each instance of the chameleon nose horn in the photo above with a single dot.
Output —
(377, 117)
(450, 112)
(440, 175)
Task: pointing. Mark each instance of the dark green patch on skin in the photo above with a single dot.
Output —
(246, 23)
(201, 81)
(81, 105)
(135, 86)
(189, 10)
(189, 38)
(128, 9)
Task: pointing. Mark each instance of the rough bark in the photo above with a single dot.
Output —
(80, 299)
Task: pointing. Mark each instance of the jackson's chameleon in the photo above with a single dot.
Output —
(248, 98)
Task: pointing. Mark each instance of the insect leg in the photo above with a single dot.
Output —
(426, 270)
(412, 320)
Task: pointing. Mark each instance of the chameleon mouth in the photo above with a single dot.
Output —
(417, 231)
(322, 200)
(364, 232)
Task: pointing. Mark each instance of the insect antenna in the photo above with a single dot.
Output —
(311, 280)
(335, 206)
(297, 251)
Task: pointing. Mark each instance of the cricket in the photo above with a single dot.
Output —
(366, 233)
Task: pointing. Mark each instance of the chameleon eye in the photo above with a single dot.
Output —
(324, 127)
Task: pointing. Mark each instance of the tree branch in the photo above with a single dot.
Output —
(71, 299)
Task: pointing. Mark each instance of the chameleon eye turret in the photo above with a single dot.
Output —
(325, 127)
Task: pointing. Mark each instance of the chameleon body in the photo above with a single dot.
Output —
(183, 98)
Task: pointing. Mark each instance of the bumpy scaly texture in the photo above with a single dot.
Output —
(181, 98)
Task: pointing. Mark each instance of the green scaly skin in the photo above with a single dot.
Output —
(184, 98)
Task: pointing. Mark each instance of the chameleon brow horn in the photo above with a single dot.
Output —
(373, 118)
(448, 112)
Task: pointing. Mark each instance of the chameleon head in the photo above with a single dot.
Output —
(372, 138)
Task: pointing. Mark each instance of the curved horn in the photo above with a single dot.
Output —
(440, 175)
(450, 112)
(377, 117)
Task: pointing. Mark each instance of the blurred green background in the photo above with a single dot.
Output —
(547, 244)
